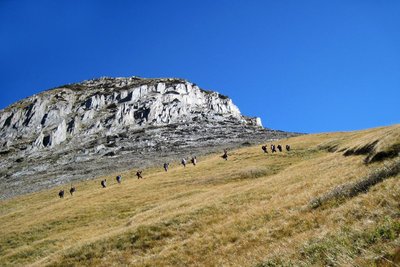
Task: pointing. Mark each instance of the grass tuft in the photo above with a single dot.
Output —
(342, 192)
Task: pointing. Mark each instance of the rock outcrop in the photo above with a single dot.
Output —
(81, 130)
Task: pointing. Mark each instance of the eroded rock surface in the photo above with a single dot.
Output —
(99, 126)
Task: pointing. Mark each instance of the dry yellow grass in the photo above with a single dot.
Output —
(252, 210)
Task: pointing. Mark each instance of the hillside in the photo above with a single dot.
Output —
(332, 200)
(83, 130)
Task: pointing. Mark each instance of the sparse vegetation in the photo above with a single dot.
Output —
(251, 210)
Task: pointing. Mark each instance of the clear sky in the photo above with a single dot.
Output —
(305, 66)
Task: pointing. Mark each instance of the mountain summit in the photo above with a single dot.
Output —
(80, 130)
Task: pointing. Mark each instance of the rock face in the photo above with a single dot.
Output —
(79, 131)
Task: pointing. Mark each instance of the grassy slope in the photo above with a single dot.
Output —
(252, 210)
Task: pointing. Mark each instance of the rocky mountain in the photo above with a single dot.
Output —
(79, 131)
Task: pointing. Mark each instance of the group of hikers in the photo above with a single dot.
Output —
(183, 162)
(72, 190)
(193, 160)
(273, 148)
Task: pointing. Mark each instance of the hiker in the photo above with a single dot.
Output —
(183, 162)
(72, 190)
(273, 149)
(139, 174)
(264, 148)
(166, 165)
(194, 160)
(61, 194)
(118, 179)
(279, 148)
(104, 183)
(225, 155)
(288, 147)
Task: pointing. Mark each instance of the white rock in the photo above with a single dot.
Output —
(60, 134)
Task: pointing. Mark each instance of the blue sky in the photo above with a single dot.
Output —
(305, 66)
